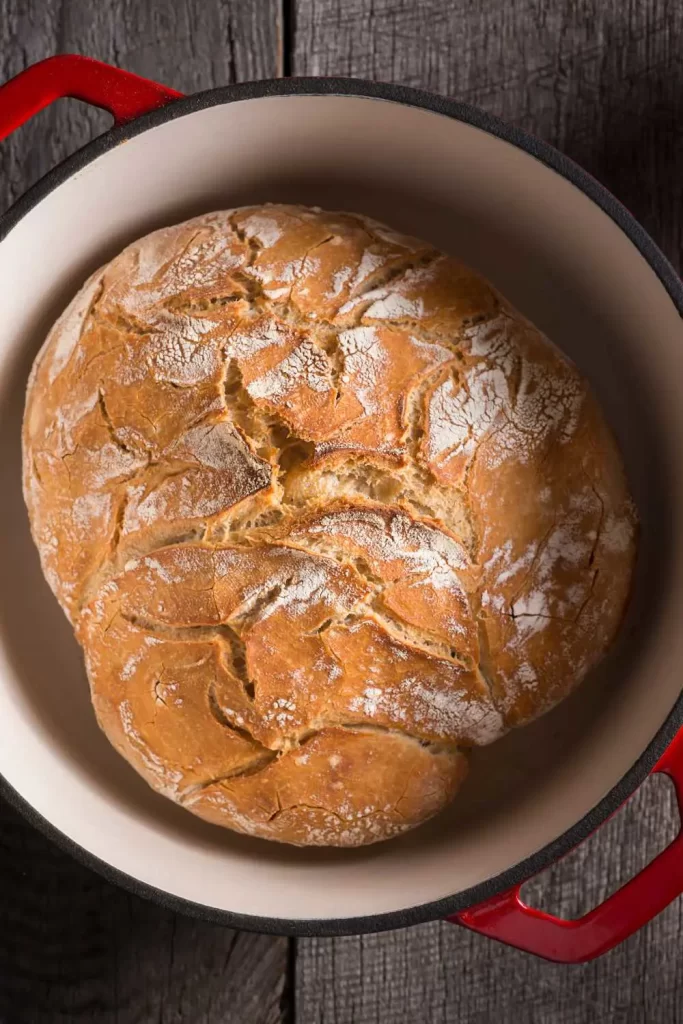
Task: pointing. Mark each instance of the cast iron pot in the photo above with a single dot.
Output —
(565, 252)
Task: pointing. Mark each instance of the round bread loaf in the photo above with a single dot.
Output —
(324, 511)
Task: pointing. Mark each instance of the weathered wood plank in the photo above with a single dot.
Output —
(189, 44)
(72, 947)
(603, 81)
(442, 974)
(600, 79)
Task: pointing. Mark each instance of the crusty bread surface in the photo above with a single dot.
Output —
(324, 511)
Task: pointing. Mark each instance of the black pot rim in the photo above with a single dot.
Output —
(565, 167)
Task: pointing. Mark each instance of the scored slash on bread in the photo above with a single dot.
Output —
(324, 512)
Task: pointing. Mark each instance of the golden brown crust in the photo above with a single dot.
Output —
(324, 511)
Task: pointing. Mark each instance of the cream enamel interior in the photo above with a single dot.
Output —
(562, 262)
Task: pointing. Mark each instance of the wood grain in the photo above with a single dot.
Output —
(189, 44)
(603, 81)
(600, 79)
(74, 948)
(442, 974)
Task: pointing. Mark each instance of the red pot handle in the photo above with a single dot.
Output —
(122, 93)
(506, 918)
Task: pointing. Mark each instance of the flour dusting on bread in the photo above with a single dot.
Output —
(325, 512)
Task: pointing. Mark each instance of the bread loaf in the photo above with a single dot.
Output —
(325, 512)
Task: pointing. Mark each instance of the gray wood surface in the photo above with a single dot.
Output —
(189, 44)
(601, 79)
(74, 948)
(441, 974)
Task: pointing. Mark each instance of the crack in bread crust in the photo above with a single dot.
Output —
(280, 383)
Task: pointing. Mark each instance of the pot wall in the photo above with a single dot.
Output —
(557, 256)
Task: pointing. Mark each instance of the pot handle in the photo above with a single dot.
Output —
(122, 93)
(506, 918)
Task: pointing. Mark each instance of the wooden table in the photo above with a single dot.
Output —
(603, 81)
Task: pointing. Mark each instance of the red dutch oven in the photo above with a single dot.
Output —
(566, 253)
